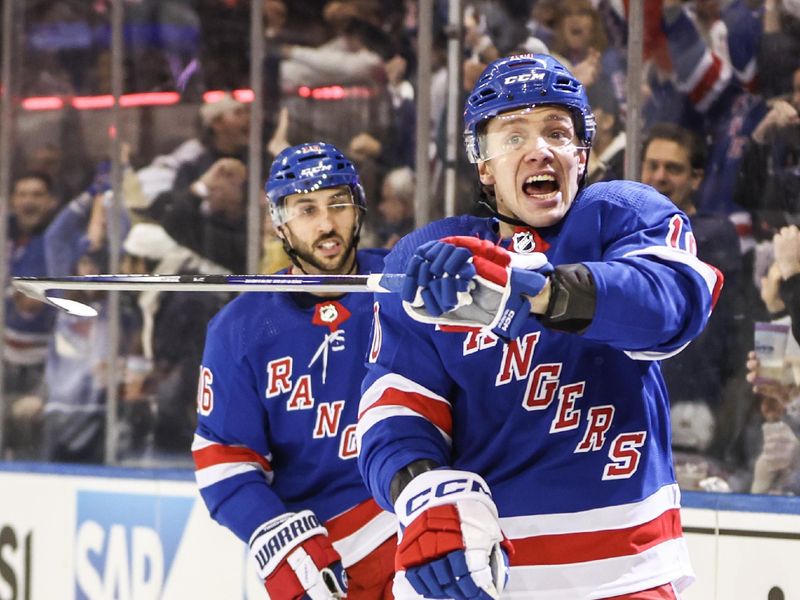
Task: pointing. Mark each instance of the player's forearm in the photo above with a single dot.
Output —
(243, 508)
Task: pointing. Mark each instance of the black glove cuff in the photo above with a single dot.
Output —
(573, 297)
(404, 476)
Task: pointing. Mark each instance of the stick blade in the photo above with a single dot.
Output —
(40, 290)
(73, 307)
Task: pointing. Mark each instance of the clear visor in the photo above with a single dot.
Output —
(303, 209)
(521, 131)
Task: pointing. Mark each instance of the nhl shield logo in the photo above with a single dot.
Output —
(523, 242)
(328, 313)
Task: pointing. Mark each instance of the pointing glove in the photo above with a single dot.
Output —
(469, 282)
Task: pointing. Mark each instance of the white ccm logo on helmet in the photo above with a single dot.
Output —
(311, 171)
(532, 76)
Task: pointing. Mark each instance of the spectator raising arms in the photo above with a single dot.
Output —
(205, 210)
(28, 323)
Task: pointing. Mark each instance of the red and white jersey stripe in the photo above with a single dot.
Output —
(707, 80)
(25, 348)
(633, 546)
(394, 395)
(358, 531)
(217, 462)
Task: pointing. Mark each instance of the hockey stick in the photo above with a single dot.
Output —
(42, 288)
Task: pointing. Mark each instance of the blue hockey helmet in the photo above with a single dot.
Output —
(517, 82)
(306, 168)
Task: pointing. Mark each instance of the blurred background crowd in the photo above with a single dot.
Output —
(718, 110)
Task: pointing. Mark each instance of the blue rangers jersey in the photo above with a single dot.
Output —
(277, 403)
(571, 432)
(26, 335)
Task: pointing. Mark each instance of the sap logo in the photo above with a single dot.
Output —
(532, 76)
(125, 544)
(15, 564)
(442, 490)
(311, 171)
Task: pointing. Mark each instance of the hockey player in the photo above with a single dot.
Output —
(513, 413)
(275, 449)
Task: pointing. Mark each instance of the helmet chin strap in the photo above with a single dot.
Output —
(484, 201)
(292, 254)
(585, 175)
(295, 257)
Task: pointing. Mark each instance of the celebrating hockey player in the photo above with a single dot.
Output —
(513, 415)
(275, 448)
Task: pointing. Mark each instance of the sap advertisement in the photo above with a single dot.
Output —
(117, 534)
(79, 537)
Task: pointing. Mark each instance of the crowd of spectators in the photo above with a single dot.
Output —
(721, 89)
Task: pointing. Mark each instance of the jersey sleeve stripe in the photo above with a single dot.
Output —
(702, 74)
(214, 474)
(596, 545)
(712, 84)
(216, 454)
(710, 275)
(438, 413)
(381, 413)
(398, 382)
(649, 355)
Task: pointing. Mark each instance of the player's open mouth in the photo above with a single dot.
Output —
(544, 186)
(330, 247)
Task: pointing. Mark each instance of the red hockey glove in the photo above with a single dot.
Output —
(451, 545)
(295, 559)
(470, 282)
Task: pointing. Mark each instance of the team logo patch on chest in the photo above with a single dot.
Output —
(330, 314)
(526, 240)
(523, 242)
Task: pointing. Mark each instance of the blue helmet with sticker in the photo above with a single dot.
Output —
(306, 168)
(520, 81)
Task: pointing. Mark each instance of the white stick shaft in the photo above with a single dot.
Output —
(42, 288)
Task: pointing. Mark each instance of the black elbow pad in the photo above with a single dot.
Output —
(573, 297)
